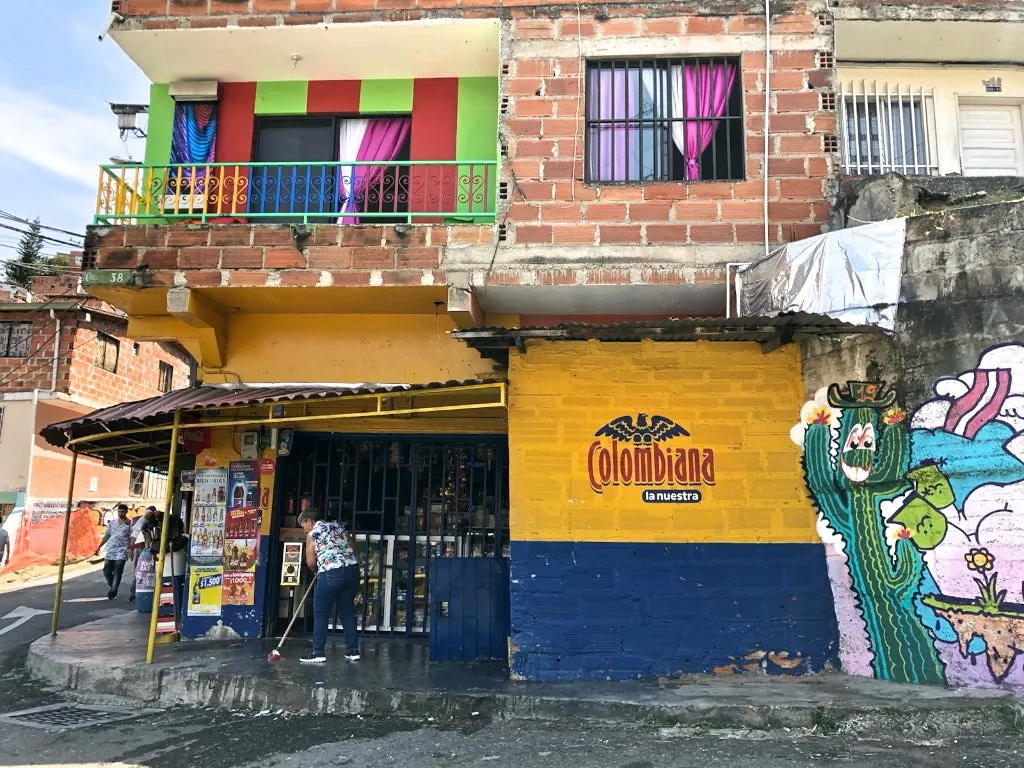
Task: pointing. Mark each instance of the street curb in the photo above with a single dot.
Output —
(164, 686)
(70, 573)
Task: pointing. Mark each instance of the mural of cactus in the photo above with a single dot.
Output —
(856, 453)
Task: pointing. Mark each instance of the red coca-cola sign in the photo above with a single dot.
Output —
(195, 440)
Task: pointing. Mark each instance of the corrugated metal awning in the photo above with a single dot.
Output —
(493, 343)
(151, 420)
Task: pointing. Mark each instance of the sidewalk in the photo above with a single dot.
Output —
(107, 658)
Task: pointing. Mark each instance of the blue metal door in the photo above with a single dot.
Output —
(469, 608)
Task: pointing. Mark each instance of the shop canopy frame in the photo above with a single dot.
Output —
(494, 343)
(152, 428)
(139, 433)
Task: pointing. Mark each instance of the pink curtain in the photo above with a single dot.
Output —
(381, 143)
(705, 95)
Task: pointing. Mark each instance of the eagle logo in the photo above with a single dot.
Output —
(643, 431)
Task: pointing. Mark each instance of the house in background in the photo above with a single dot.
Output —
(64, 353)
(930, 89)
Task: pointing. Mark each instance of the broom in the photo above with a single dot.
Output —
(274, 657)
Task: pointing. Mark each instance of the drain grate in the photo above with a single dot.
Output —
(64, 717)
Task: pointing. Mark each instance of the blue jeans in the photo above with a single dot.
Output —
(337, 586)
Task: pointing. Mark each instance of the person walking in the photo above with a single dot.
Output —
(5, 545)
(117, 540)
(330, 553)
(137, 542)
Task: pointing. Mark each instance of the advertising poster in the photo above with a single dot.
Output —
(240, 555)
(291, 564)
(244, 478)
(242, 523)
(239, 589)
(208, 508)
(204, 589)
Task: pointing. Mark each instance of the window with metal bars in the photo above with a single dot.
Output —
(137, 481)
(15, 339)
(664, 120)
(106, 352)
(886, 129)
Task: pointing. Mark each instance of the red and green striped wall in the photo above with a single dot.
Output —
(453, 118)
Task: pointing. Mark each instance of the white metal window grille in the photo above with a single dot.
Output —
(887, 128)
(136, 482)
(15, 339)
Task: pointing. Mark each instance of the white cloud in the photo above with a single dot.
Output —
(66, 142)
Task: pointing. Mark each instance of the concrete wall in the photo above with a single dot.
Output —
(15, 439)
(608, 585)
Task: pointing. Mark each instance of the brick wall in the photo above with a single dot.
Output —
(77, 375)
(606, 584)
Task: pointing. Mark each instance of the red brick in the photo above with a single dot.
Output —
(373, 258)
(530, 234)
(270, 6)
(649, 211)
(793, 24)
(143, 7)
(198, 258)
(563, 86)
(819, 78)
(534, 148)
(326, 234)
(789, 80)
(361, 235)
(573, 27)
(559, 169)
(533, 191)
(534, 68)
(143, 236)
(665, 191)
(796, 101)
(817, 167)
(794, 59)
(788, 122)
(803, 231)
(182, 236)
(469, 235)
(301, 277)
(826, 122)
(698, 210)
(666, 233)
(821, 210)
(241, 258)
(562, 126)
(523, 212)
(230, 234)
(203, 279)
(746, 25)
(558, 211)
(619, 233)
(159, 258)
(619, 28)
(257, 21)
(329, 257)
(655, 27)
(229, 6)
(750, 233)
(711, 233)
(574, 190)
(788, 211)
(709, 190)
(606, 212)
(283, 258)
(607, 194)
(532, 107)
(116, 258)
(314, 5)
(402, 277)
(195, 23)
(742, 210)
(354, 277)
(705, 25)
(418, 258)
(415, 235)
(266, 235)
(533, 29)
(526, 169)
(786, 166)
(521, 126)
(247, 277)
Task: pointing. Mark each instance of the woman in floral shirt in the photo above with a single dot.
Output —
(330, 553)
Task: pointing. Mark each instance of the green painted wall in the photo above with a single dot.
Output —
(385, 96)
(476, 133)
(160, 126)
(281, 97)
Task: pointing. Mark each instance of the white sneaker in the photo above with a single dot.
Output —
(311, 659)
(352, 656)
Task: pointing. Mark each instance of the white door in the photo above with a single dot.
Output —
(991, 140)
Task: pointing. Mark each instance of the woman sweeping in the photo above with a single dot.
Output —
(330, 553)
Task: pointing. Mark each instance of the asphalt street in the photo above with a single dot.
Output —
(273, 739)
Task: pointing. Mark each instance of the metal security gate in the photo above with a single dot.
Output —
(408, 501)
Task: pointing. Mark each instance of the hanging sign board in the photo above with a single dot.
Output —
(291, 564)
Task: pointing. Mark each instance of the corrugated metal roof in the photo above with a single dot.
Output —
(158, 412)
(494, 342)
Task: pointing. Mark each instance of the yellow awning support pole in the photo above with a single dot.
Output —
(168, 499)
(64, 544)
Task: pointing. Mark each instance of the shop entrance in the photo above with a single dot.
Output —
(408, 501)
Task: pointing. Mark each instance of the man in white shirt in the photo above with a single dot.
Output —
(117, 540)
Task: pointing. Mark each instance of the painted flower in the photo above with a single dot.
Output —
(980, 560)
(894, 415)
(903, 533)
(815, 412)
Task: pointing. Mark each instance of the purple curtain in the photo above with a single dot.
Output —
(609, 140)
(705, 95)
(382, 142)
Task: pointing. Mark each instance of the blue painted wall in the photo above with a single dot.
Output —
(583, 610)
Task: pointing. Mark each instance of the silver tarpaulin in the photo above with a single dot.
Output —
(852, 275)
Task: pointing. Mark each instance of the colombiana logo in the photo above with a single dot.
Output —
(645, 452)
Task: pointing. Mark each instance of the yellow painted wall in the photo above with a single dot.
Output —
(346, 348)
(731, 397)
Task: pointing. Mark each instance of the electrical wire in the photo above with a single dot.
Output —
(12, 217)
(41, 236)
(33, 354)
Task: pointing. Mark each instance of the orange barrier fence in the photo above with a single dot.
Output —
(39, 538)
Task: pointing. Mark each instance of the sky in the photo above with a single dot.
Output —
(56, 127)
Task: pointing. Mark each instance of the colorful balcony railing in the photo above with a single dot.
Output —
(310, 193)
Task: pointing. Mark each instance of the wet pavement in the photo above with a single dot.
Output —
(395, 678)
